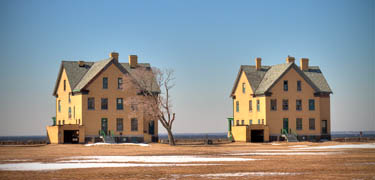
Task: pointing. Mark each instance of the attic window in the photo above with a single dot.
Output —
(64, 85)
(244, 88)
(285, 85)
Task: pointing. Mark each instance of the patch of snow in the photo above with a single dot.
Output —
(37, 166)
(241, 174)
(296, 146)
(344, 146)
(149, 159)
(17, 160)
(288, 150)
(282, 153)
(96, 144)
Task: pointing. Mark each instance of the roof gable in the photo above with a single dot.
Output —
(80, 77)
(261, 81)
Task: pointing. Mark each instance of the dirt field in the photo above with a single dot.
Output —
(278, 160)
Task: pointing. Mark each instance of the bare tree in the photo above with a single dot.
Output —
(153, 98)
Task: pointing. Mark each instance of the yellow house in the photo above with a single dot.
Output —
(280, 101)
(90, 103)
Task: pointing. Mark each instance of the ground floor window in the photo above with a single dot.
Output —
(312, 124)
(119, 124)
(299, 123)
(134, 124)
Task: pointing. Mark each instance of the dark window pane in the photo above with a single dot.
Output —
(237, 106)
(312, 124)
(105, 83)
(299, 86)
(258, 105)
(91, 103)
(311, 104)
(134, 124)
(298, 105)
(299, 123)
(119, 123)
(285, 105)
(250, 105)
(119, 83)
(104, 103)
(285, 85)
(119, 104)
(273, 104)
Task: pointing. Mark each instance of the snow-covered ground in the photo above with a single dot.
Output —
(238, 174)
(343, 146)
(116, 161)
(38, 166)
(149, 159)
(98, 144)
(281, 153)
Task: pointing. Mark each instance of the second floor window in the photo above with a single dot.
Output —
(91, 103)
(244, 88)
(70, 112)
(273, 105)
(59, 105)
(243, 122)
(69, 99)
(104, 103)
(312, 124)
(251, 122)
(134, 124)
(285, 105)
(237, 106)
(258, 105)
(258, 121)
(105, 83)
(238, 122)
(299, 123)
(250, 105)
(299, 86)
(298, 104)
(120, 104)
(119, 83)
(311, 104)
(285, 85)
(119, 124)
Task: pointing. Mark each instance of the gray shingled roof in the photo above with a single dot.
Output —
(80, 77)
(262, 80)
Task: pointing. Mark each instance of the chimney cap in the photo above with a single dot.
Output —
(114, 55)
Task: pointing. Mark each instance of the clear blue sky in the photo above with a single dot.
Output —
(204, 41)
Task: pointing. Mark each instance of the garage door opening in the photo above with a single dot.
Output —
(257, 135)
(71, 136)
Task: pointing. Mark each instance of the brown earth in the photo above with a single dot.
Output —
(346, 164)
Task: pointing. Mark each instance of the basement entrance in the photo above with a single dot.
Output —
(257, 135)
(71, 136)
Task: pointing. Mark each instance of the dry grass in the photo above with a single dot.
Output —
(350, 164)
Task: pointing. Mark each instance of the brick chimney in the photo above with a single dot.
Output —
(133, 61)
(290, 59)
(258, 63)
(81, 63)
(304, 64)
(114, 55)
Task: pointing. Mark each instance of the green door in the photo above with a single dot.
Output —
(285, 124)
(104, 125)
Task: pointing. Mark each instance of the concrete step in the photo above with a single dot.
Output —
(109, 139)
